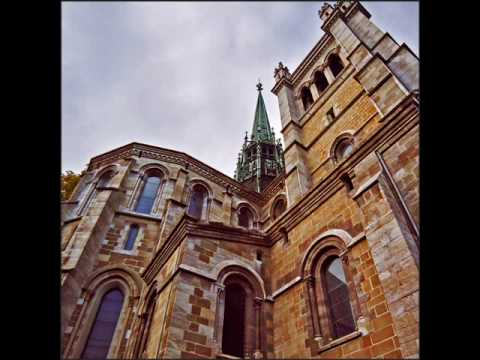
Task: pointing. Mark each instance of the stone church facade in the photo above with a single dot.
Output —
(311, 251)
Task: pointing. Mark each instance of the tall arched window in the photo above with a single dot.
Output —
(238, 319)
(149, 192)
(103, 328)
(307, 98)
(338, 299)
(197, 201)
(335, 64)
(132, 236)
(320, 81)
(245, 218)
(343, 149)
(233, 338)
(279, 208)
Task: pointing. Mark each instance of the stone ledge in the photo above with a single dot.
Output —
(367, 184)
(140, 215)
(226, 356)
(356, 239)
(286, 287)
(339, 341)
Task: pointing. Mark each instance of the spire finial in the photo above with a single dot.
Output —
(259, 85)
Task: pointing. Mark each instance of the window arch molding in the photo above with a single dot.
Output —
(195, 183)
(327, 246)
(254, 219)
(335, 51)
(143, 173)
(231, 273)
(96, 286)
(345, 136)
(114, 168)
(278, 198)
(147, 167)
(91, 186)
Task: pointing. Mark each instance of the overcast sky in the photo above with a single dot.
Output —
(183, 75)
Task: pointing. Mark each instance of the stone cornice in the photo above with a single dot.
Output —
(187, 226)
(177, 157)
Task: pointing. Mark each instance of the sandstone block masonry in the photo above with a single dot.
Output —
(209, 268)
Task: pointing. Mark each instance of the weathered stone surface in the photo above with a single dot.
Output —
(180, 270)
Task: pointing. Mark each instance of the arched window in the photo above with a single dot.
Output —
(343, 149)
(238, 319)
(320, 81)
(132, 236)
(335, 64)
(103, 328)
(197, 201)
(279, 208)
(233, 338)
(338, 300)
(307, 98)
(149, 192)
(105, 179)
(245, 218)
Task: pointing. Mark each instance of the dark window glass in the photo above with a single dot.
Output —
(105, 179)
(335, 64)
(279, 208)
(132, 235)
(103, 328)
(149, 192)
(307, 98)
(196, 202)
(320, 81)
(338, 299)
(344, 149)
(234, 321)
(330, 115)
(244, 217)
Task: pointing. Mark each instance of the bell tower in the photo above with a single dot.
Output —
(261, 157)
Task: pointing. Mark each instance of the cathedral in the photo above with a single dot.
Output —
(310, 251)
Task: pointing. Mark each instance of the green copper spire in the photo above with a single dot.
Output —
(261, 157)
(261, 130)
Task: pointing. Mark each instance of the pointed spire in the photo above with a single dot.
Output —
(261, 127)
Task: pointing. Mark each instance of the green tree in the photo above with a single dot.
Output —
(68, 182)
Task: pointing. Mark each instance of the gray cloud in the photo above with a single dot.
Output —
(182, 75)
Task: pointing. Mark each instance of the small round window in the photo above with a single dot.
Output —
(344, 149)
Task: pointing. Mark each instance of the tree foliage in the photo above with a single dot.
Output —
(68, 182)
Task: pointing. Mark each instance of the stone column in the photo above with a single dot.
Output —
(314, 91)
(328, 74)
(220, 312)
(174, 206)
(227, 207)
(317, 334)
(257, 303)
